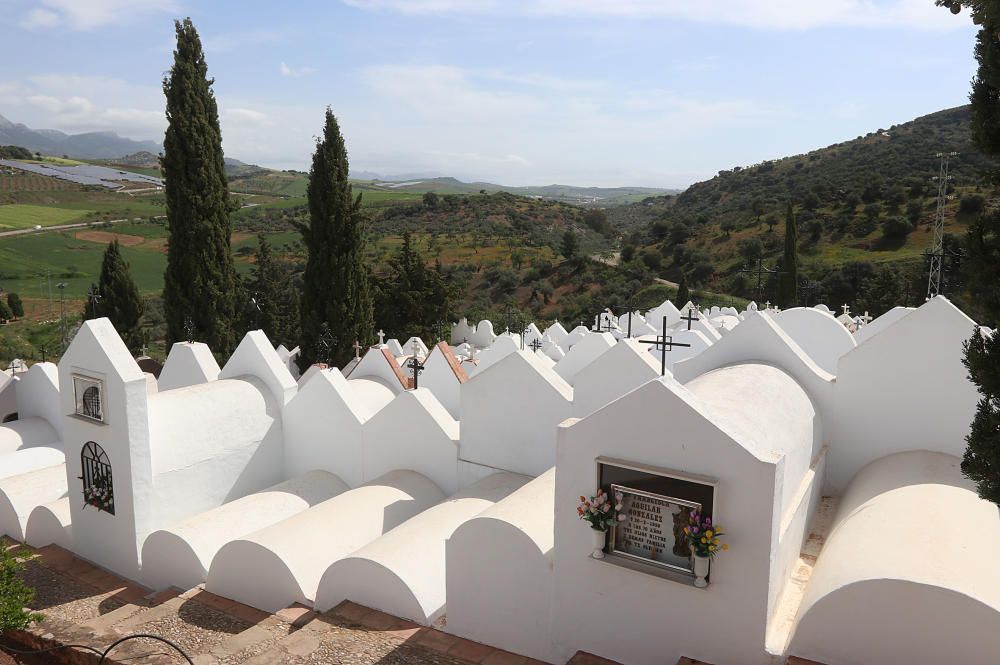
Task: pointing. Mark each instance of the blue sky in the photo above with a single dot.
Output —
(588, 92)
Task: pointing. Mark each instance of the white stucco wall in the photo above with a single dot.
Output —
(499, 572)
(180, 554)
(38, 395)
(623, 368)
(20, 494)
(257, 358)
(412, 432)
(49, 524)
(440, 378)
(586, 351)
(403, 572)
(283, 563)
(880, 323)
(30, 459)
(820, 335)
(331, 441)
(188, 364)
(111, 541)
(902, 577)
(210, 444)
(664, 422)
(510, 413)
(27, 432)
(904, 389)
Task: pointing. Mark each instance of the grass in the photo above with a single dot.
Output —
(23, 216)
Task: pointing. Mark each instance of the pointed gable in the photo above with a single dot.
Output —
(413, 432)
(510, 412)
(443, 375)
(881, 323)
(556, 332)
(322, 426)
(188, 364)
(587, 350)
(623, 368)
(379, 362)
(256, 357)
(38, 395)
(904, 389)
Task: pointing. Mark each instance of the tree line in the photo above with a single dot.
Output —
(325, 308)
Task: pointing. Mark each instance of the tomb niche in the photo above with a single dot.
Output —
(98, 482)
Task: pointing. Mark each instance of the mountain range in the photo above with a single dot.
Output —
(90, 145)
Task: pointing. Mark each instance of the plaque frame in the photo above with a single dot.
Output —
(689, 570)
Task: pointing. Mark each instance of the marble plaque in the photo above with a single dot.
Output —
(653, 530)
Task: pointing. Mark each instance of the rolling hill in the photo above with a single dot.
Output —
(91, 145)
(868, 201)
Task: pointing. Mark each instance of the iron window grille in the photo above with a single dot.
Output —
(98, 483)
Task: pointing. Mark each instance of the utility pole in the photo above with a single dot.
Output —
(937, 249)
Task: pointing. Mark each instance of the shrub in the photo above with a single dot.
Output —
(896, 227)
(15, 595)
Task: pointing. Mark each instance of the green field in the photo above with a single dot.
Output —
(21, 216)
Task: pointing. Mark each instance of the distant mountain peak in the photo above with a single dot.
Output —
(90, 145)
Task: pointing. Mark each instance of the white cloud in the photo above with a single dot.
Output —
(297, 72)
(91, 14)
(249, 116)
(766, 14)
(40, 18)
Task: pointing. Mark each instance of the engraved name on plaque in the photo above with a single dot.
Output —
(653, 530)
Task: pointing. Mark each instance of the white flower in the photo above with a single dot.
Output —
(621, 518)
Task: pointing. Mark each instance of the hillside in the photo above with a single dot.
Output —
(866, 201)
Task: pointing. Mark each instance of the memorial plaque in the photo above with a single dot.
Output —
(653, 530)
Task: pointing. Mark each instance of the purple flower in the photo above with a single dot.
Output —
(694, 529)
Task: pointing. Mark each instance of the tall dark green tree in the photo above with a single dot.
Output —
(788, 282)
(683, 291)
(15, 304)
(272, 300)
(336, 282)
(119, 297)
(570, 245)
(981, 461)
(412, 298)
(200, 282)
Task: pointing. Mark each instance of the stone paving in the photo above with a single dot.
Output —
(87, 605)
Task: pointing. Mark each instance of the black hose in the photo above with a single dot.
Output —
(102, 654)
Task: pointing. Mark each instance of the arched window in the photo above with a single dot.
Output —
(98, 485)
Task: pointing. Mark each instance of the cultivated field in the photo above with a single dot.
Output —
(19, 216)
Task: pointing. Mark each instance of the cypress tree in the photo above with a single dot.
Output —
(267, 287)
(788, 282)
(200, 281)
(15, 305)
(335, 288)
(120, 300)
(683, 292)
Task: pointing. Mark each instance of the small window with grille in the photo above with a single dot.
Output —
(98, 483)
(89, 395)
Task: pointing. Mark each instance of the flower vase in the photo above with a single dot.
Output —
(701, 566)
(598, 538)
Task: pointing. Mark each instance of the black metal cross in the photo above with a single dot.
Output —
(255, 302)
(325, 344)
(690, 318)
(189, 329)
(605, 324)
(94, 296)
(414, 365)
(535, 344)
(663, 343)
(760, 271)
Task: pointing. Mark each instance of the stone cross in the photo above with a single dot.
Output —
(381, 338)
(357, 350)
(143, 350)
(663, 343)
(847, 310)
(865, 319)
(767, 305)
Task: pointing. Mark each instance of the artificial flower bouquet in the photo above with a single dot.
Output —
(599, 511)
(703, 536)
